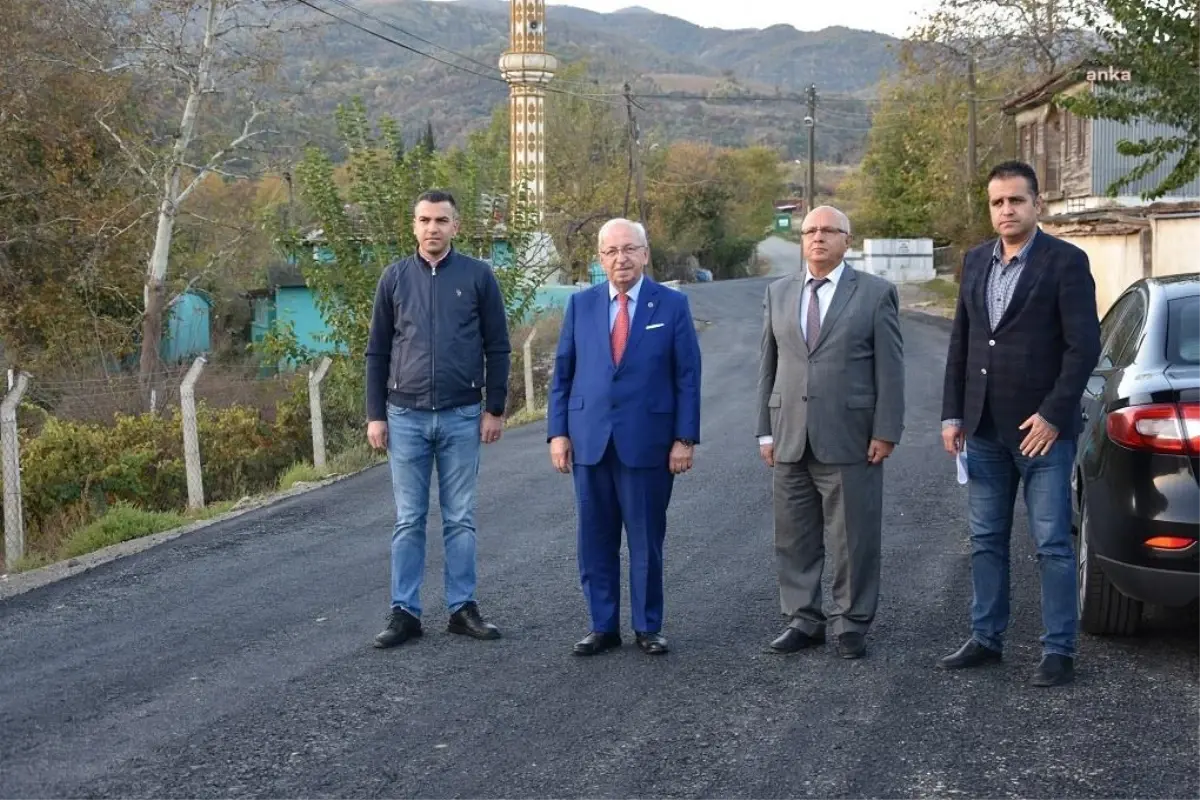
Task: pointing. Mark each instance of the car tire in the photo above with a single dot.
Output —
(1103, 609)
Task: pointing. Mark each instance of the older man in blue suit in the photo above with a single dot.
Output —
(625, 413)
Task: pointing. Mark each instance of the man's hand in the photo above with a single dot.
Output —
(377, 434)
(560, 453)
(952, 439)
(1040, 438)
(767, 451)
(681, 458)
(878, 450)
(491, 428)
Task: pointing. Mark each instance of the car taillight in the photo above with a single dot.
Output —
(1168, 428)
(1170, 542)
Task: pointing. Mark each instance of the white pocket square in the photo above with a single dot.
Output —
(655, 325)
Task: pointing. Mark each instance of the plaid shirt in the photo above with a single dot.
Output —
(1002, 278)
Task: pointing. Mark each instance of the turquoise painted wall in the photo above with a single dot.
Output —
(294, 304)
(188, 332)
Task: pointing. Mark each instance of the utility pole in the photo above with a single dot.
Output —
(972, 164)
(635, 167)
(629, 117)
(972, 158)
(811, 122)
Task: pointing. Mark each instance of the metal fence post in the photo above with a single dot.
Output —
(314, 411)
(527, 350)
(191, 441)
(14, 517)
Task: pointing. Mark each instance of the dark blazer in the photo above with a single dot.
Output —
(644, 404)
(1039, 358)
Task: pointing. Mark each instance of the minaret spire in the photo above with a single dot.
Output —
(528, 68)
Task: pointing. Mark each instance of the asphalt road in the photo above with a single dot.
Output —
(237, 661)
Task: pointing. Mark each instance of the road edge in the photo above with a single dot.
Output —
(13, 584)
(936, 320)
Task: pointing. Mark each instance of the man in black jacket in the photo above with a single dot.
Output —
(437, 382)
(1026, 337)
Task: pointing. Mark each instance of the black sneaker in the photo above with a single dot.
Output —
(402, 626)
(468, 622)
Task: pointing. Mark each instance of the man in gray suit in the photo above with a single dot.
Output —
(830, 410)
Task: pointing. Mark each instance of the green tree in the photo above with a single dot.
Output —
(1158, 42)
(915, 179)
(712, 204)
(427, 140)
(587, 169)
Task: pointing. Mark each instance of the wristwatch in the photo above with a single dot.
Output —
(686, 442)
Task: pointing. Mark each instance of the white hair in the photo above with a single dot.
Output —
(636, 227)
(842, 219)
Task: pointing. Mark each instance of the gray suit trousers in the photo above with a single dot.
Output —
(835, 508)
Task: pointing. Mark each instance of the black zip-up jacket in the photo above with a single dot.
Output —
(439, 337)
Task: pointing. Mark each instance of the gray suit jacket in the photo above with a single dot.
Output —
(845, 390)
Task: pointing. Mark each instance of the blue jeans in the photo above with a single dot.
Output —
(416, 440)
(994, 470)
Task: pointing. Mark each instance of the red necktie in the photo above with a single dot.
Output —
(620, 331)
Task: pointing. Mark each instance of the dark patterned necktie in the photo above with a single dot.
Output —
(812, 331)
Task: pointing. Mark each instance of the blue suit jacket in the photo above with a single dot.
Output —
(644, 404)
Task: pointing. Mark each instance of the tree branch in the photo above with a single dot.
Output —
(247, 134)
(133, 159)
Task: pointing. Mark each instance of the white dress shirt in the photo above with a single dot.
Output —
(824, 298)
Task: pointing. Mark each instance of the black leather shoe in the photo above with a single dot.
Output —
(1055, 670)
(654, 644)
(971, 654)
(402, 626)
(466, 621)
(596, 643)
(793, 640)
(851, 645)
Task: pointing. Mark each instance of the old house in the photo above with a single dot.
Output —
(1076, 160)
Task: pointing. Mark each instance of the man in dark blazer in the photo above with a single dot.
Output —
(625, 412)
(1025, 340)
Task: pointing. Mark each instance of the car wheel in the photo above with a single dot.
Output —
(1102, 607)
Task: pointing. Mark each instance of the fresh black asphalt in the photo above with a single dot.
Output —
(237, 661)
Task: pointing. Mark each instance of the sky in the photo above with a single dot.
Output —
(892, 17)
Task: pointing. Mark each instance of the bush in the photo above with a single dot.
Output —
(73, 472)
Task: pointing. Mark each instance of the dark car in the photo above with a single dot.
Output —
(1135, 490)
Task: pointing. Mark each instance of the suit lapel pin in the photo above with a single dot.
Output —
(650, 304)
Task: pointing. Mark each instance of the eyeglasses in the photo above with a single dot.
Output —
(822, 230)
(627, 250)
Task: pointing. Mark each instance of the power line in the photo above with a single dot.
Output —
(395, 27)
(612, 99)
(401, 45)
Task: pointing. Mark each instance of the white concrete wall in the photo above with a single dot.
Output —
(899, 260)
(1176, 245)
(1115, 260)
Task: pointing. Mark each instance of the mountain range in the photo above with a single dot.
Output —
(655, 53)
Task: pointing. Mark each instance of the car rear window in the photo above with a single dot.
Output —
(1183, 330)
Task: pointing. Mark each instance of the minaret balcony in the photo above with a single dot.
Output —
(528, 67)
